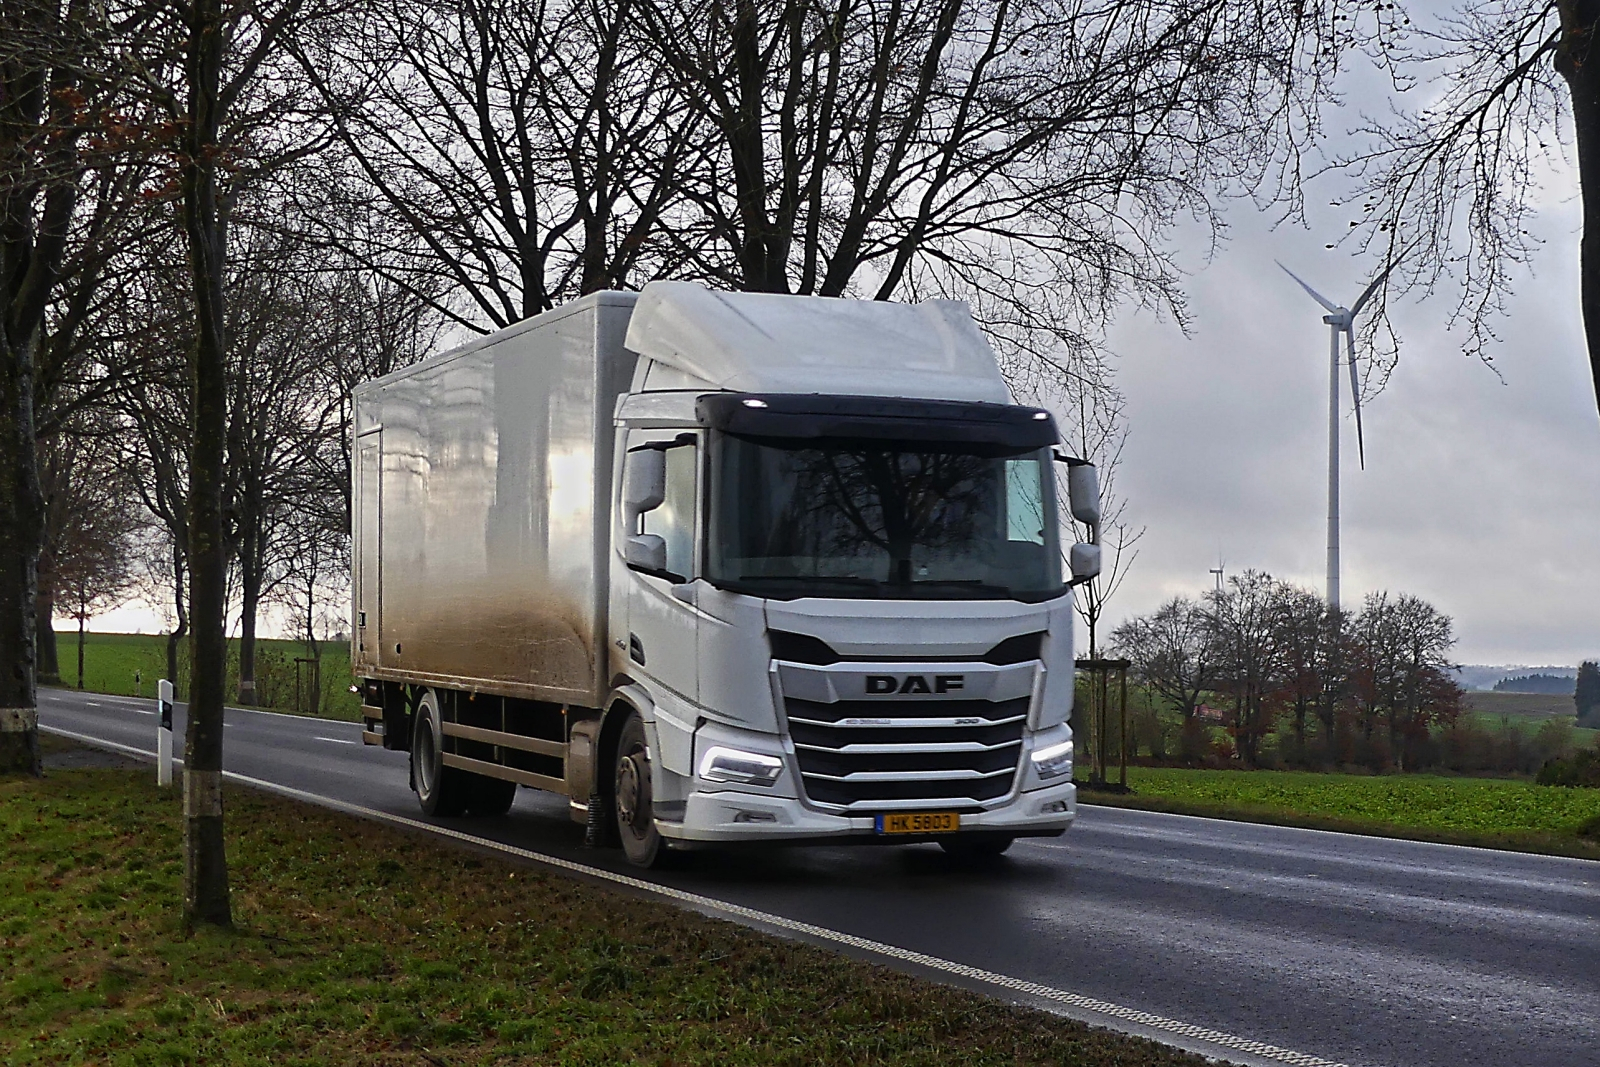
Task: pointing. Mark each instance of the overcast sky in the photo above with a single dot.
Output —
(1481, 493)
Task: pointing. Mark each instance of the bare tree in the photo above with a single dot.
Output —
(91, 521)
(57, 81)
(84, 360)
(1501, 88)
(1027, 156)
(1249, 661)
(1311, 644)
(278, 414)
(520, 154)
(1400, 680)
(313, 583)
(95, 547)
(1099, 434)
(1172, 653)
(232, 123)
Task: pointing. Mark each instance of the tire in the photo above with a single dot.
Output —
(440, 790)
(632, 798)
(976, 848)
(491, 796)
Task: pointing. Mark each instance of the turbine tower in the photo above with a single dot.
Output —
(1340, 320)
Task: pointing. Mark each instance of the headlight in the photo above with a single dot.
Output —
(741, 768)
(1054, 761)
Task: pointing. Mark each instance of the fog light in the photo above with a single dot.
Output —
(1053, 762)
(1053, 806)
(755, 816)
(740, 768)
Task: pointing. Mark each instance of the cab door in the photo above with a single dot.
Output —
(663, 628)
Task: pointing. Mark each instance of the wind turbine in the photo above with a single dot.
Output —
(1340, 320)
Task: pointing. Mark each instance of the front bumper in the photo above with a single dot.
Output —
(730, 816)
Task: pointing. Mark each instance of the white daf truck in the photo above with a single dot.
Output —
(722, 568)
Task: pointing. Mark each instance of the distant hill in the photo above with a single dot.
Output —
(1553, 684)
(1481, 676)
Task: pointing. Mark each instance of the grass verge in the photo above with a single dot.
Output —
(1487, 812)
(358, 944)
(130, 664)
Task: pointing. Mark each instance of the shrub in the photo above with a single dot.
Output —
(1582, 769)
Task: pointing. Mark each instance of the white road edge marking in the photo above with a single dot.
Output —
(337, 740)
(1101, 1009)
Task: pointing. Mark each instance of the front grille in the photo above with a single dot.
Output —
(948, 752)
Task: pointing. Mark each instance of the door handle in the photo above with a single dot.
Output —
(635, 649)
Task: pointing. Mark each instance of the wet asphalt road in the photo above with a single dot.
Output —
(1363, 951)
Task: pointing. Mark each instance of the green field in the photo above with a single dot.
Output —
(358, 944)
(1531, 705)
(1527, 712)
(130, 665)
(1492, 812)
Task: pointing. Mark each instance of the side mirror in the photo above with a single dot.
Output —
(1083, 487)
(1085, 563)
(644, 484)
(647, 552)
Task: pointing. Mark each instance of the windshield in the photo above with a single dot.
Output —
(898, 520)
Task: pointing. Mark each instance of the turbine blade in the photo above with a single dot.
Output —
(1355, 309)
(1355, 393)
(1318, 297)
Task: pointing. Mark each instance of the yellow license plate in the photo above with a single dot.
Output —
(920, 822)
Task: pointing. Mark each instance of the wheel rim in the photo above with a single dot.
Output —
(425, 756)
(629, 790)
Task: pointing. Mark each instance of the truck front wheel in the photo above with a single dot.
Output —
(440, 790)
(634, 809)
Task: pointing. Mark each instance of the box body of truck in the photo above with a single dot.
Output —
(719, 568)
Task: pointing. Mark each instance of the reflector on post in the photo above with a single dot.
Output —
(164, 733)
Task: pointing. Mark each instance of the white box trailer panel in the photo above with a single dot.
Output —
(481, 509)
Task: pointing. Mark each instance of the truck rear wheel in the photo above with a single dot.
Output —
(491, 796)
(440, 790)
(634, 807)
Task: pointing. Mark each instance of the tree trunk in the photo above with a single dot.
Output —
(1578, 60)
(44, 616)
(81, 621)
(21, 530)
(180, 631)
(205, 869)
(250, 604)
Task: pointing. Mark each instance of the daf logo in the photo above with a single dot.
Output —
(884, 684)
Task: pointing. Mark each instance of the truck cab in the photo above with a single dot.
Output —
(845, 607)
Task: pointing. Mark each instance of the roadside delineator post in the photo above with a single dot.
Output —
(164, 733)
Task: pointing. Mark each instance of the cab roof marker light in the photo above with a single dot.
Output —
(1038, 416)
(738, 767)
(752, 402)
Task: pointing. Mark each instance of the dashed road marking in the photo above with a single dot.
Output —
(1087, 1009)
